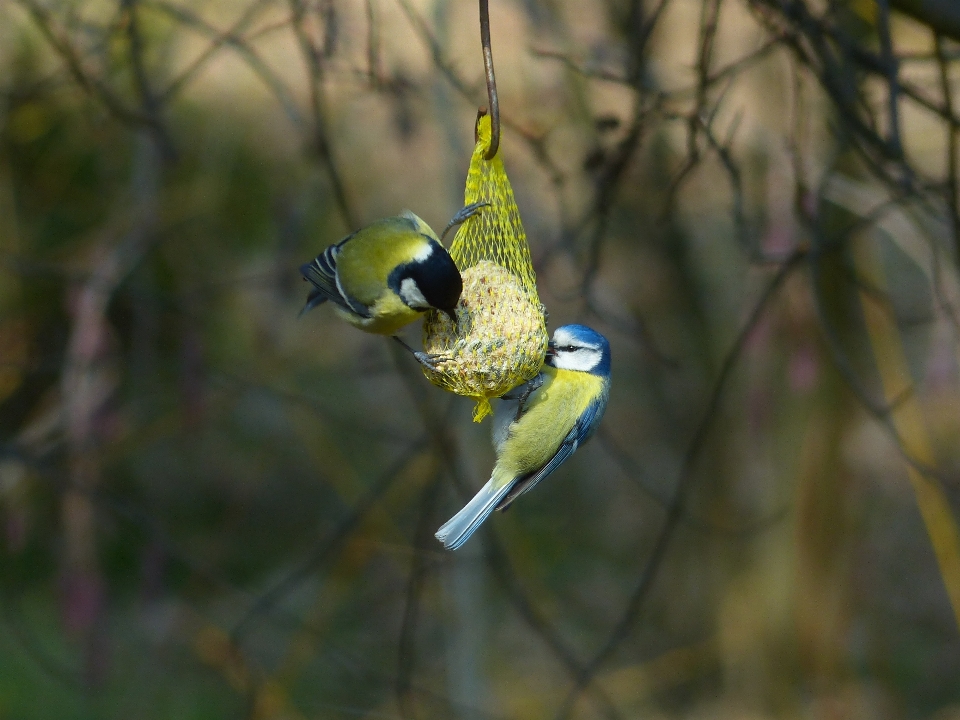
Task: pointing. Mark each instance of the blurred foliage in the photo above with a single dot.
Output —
(214, 508)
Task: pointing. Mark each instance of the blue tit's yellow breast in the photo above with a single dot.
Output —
(555, 407)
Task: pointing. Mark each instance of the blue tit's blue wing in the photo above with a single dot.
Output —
(567, 448)
(322, 274)
(581, 431)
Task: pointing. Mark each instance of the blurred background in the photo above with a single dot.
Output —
(211, 508)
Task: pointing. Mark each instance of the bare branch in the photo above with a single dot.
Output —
(628, 616)
(953, 186)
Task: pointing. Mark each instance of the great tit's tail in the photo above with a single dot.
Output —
(322, 274)
(313, 299)
(458, 529)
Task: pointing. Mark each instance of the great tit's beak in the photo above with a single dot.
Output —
(451, 313)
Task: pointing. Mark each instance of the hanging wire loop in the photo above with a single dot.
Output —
(491, 79)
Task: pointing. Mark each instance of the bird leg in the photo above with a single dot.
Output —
(462, 216)
(523, 392)
(427, 360)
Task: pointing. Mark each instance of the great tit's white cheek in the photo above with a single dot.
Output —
(410, 292)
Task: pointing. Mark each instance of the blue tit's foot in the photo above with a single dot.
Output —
(462, 216)
(522, 393)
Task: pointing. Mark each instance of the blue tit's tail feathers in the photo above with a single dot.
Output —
(519, 488)
(458, 529)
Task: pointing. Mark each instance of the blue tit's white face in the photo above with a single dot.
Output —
(571, 351)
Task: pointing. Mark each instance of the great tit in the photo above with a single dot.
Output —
(387, 274)
(541, 425)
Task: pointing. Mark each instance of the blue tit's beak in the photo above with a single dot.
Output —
(551, 350)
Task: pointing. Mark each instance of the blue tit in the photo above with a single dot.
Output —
(387, 274)
(543, 424)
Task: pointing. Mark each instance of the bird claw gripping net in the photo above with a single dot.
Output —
(500, 337)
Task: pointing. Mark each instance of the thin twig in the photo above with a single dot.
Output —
(675, 510)
(152, 106)
(892, 71)
(230, 39)
(325, 547)
(59, 40)
(953, 200)
(313, 58)
(445, 448)
(423, 542)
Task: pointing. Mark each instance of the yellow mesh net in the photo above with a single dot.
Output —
(500, 337)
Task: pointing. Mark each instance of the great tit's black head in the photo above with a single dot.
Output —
(430, 280)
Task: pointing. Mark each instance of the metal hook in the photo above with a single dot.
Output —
(491, 81)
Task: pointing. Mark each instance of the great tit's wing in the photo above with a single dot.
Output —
(458, 529)
(582, 430)
(322, 274)
(367, 261)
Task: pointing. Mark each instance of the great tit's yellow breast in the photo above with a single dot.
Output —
(387, 315)
(366, 260)
(553, 411)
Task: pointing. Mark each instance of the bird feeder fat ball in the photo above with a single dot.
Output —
(500, 337)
